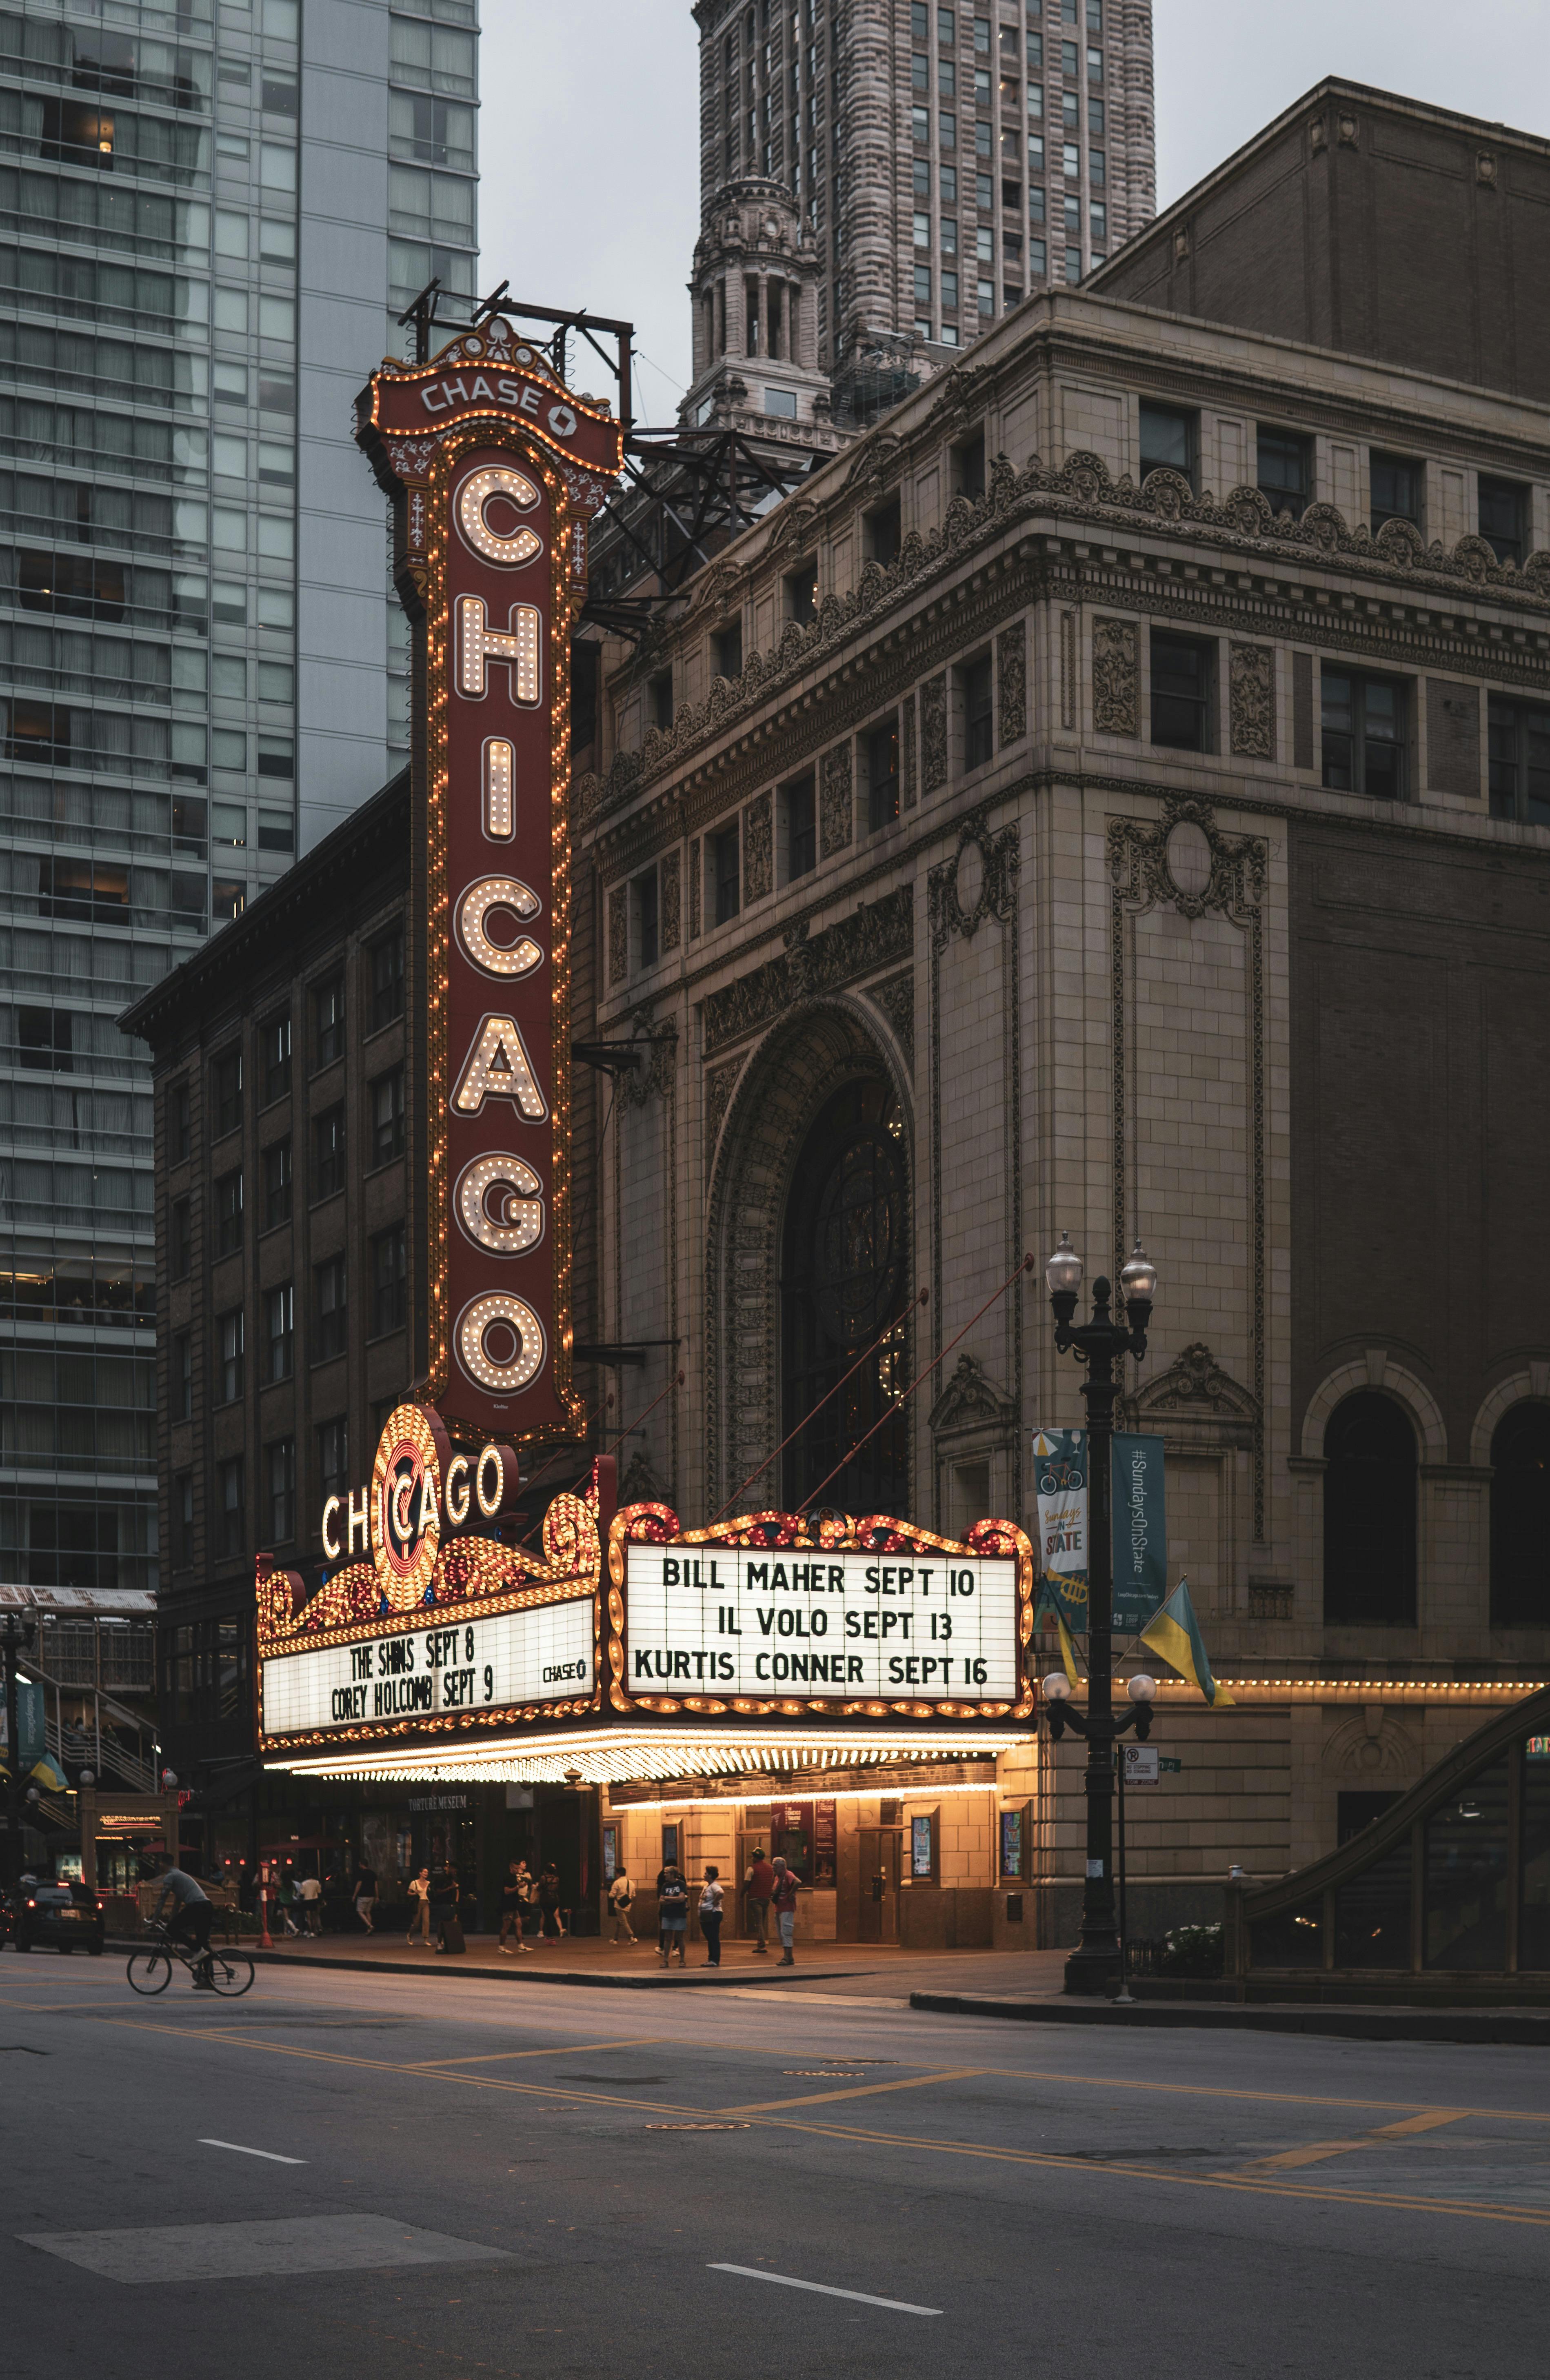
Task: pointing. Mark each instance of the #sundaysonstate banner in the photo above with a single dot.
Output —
(1139, 1527)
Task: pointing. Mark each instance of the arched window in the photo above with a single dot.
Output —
(844, 1274)
(1369, 1514)
(1520, 1518)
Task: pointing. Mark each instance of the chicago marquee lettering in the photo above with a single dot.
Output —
(493, 468)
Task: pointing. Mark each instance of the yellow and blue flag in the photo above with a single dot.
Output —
(1174, 1635)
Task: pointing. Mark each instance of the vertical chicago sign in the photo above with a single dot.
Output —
(494, 469)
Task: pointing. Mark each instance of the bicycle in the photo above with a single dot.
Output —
(149, 1969)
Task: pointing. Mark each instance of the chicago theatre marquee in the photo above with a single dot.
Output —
(855, 1691)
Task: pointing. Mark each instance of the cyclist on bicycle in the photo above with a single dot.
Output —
(191, 1920)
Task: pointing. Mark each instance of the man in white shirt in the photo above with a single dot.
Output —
(310, 1892)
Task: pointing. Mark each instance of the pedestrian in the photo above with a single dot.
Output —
(552, 1920)
(420, 1906)
(759, 1884)
(511, 1899)
(310, 1892)
(619, 1896)
(787, 1886)
(710, 1915)
(673, 1915)
(365, 1894)
(443, 1900)
(284, 1899)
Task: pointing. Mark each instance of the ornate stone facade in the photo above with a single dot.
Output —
(1115, 679)
(758, 848)
(1094, 971)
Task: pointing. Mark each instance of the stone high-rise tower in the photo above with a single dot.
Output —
(944, 162)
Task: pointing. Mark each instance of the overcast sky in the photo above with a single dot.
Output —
(588, 133)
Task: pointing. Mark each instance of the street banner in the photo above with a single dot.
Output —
(1140, 1531)
(29, 1724)
(1060, 1488)
(1139, 1527)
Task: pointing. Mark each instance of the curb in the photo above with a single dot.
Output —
(1482, 2025)
(688, 1979)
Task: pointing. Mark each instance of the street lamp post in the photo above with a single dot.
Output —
(1095, 1964)
(15, 1638)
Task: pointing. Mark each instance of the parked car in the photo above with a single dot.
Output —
(37, 1914)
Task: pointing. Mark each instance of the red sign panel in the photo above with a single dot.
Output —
(494, 470)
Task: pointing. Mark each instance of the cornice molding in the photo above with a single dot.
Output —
(1081, 496)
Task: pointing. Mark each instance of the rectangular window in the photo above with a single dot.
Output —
(923, 231)
(920, 124)
(920, 73)
(276, 1184)
(333, 1459)
(183, 1521)
(725, 889)
(1285, 470)
(1071, 161)
(279, 1332)
(1068, 61)
(1099, 215)
(726, 648)
(1036, 204)
(1095, 118)
(977, 719)
(1097, 168)
(948, 236)
(1038, 257)
(332, 1310)
(923, 284)
(387, 1116)
(328, 1021)
(328, 1153)
(922, 174)
(947, 79)
(882, 527)
(799, 827)
(274, 1050)
(949, 290)
(180, 1238)
(1363, 734)
(1503, 511)
(1519, 733)
(387, 979)
(228, 1213)
(947, 126)
(180, 1121)
(1169, 439)
(1394, 490)
(233, 1509)
(882, 748)
(947, 27)
(947, 177)
(229, 1345)
(226, 1086)
(801, 589)
(1181, 681)
(183, 1377)
(1073, 222)
(281, 1461)
(388, 1278)
(1036, 51)
(645, 919)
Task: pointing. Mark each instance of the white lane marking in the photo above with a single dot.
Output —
(238, 2149)
(753, 2273)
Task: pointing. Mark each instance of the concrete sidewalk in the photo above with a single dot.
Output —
(849, 1970)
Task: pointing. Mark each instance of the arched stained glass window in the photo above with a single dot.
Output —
(844, 1276)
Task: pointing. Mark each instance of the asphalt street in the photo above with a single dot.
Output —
(383, 2174)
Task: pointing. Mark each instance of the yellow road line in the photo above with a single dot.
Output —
(1315, 2152)
(1271, 2098)
(860, 2091)
(1245, 2184)
(558, 2050)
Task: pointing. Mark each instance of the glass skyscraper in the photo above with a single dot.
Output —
(210, 217)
